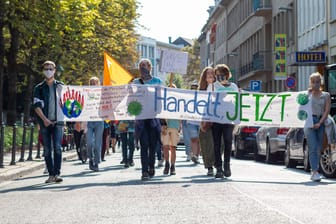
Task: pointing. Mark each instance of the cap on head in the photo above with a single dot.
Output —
(49, 63)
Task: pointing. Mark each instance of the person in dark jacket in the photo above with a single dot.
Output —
(44, 104)
(147, 131)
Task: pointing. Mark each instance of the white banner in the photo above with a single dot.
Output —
(130, 102)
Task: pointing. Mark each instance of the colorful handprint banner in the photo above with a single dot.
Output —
(130, 102)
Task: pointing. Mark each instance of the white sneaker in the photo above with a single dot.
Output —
(188, 158)
(316, 177)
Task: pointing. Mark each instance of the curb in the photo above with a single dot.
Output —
(29, 168)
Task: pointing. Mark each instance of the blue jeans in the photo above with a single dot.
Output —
(186, 137)
(94, 140)
(52, 135)
(315, 141)
(127, 143)
(149, 138)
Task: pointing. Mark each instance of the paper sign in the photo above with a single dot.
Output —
(174, 61)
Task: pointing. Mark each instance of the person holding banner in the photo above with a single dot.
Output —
(44, 104)
(185, 129)
(219, 131)
(205, 134)
(320, 110)
(148, 131)
(126, 129)
(94, 135)
(169, 138)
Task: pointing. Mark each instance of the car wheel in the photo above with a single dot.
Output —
(327, 167)
(269, 156)
(289, 163)
(306, 164)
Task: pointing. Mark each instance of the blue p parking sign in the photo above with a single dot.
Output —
(255, 85)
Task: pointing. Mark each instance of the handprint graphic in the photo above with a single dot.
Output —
(72, 103)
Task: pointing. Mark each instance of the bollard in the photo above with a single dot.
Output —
(2, 143)
(13, 145)
(30, 156)
(23, 146)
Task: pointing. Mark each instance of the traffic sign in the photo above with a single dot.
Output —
(290, 82)
(255, 85)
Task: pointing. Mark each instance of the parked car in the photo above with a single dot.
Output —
(244, 140)
(297, 153)
(271, 143)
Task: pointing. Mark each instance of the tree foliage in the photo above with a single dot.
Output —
(193, 70)
(73, 33)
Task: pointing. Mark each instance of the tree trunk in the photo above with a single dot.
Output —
(25, 69)
(2, 57)
(12, 75)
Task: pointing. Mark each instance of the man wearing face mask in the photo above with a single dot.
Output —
(44, 104)
(222, 131)
(148, 131)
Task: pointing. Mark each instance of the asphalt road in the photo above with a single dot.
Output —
(256, 193)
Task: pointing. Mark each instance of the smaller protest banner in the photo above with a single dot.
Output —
(174, 61)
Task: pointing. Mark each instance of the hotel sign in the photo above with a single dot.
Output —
(310, 57)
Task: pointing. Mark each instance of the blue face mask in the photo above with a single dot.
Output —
(221, 78)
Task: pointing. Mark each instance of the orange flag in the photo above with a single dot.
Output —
(114, 73)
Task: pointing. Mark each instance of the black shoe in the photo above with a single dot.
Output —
(122, 161)
(210, 172)
(95, 168)
(227, 170)
(219, 173)
(145, 176)
(126, 165)
(172, 170)
(166, 169)
(91, 166)
(131, 163)
(151, 172)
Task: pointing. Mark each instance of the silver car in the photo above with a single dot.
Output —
(271, 143)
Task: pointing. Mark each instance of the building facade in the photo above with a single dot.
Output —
(270, 41)
(150, 48)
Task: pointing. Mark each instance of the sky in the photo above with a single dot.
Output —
(175, 18)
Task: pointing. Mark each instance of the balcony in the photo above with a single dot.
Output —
(262, 7)
(261, 62)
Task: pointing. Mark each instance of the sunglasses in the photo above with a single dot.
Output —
(48, 69)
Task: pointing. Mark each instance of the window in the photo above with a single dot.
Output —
(332, 9)
(151, 52)
(144, 51)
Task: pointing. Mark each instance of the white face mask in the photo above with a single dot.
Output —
(48, 73)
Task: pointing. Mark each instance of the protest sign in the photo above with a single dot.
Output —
(131, 102)
(174, 61)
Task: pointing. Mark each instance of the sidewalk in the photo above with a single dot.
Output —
(11, 172)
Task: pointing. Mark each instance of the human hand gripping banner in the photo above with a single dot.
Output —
(133, 102)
